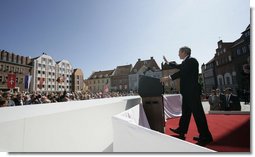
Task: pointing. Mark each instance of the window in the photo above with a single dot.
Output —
(227, 80)
(220, 81)
(247, 34)
(7, 68)
(244, 49)
(238, 52)
(1, 78)
(12, 69)
(229, 58)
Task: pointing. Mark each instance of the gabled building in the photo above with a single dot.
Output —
(43, 73)
(64, 72)
(232, 65)
(100, 81)
(143, 67)
(241, 60)
(172, 86)
(119, 78)
(208, 74)
(48, 75)
(78, 81)
(225, 72)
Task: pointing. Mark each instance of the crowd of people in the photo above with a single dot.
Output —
(26, 98)
(226, 101)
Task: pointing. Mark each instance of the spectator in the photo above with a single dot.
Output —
(9, 101)
(18, 100)
(3, 102)
(222, 99)
(214, 101)
(232, 101)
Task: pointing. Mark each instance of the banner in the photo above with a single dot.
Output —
(27, 81)
(41, 82)
(106, 88)
(11, 81)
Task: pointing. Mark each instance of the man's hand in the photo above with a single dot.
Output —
(165, 59)
(164, 79)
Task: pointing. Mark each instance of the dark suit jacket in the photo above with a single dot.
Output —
(234, 103)
(223, 102)
(188, 74)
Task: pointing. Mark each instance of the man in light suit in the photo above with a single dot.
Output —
(191, 104)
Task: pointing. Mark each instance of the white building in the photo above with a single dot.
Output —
(64, 75)
(47, 75)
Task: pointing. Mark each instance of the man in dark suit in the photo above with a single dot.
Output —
(191, 104)
(232, 101)
(222, 99)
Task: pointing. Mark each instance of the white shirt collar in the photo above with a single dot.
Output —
(186, 57)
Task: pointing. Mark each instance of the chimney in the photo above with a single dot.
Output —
(139, 59)
(151, 58)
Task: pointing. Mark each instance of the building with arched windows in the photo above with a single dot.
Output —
(230, 66)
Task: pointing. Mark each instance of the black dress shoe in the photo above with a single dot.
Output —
(204, 141)
(181, 136)
(177, 131)
(196, 138)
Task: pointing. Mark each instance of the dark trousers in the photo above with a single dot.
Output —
(192, 106)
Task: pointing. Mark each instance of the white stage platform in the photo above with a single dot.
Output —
(99, 125)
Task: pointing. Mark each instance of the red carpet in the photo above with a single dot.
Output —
(231, 133)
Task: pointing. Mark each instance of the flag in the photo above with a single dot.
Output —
(41, 82)
(27, 81)
(61, 79)
(11, 81)
(106, 88)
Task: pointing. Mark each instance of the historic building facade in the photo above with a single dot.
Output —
(78, 81)
(172, 86)
(11, 63)
(48, 75)
(64, 72)
(208, 74)
(100, 81)
(119, 79)
(231, 64)
(143, 67)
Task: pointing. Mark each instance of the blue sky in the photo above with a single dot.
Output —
(102, 34)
